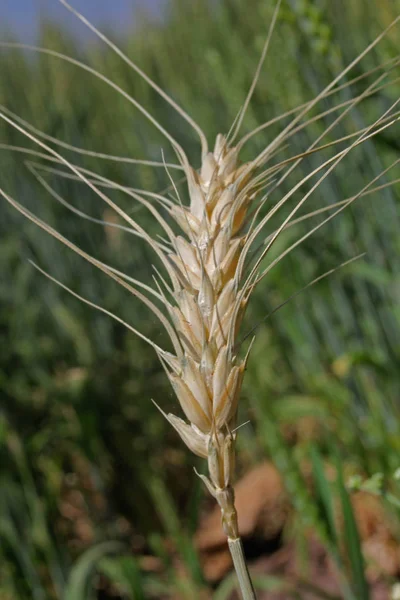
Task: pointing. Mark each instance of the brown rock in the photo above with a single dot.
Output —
(380, 547)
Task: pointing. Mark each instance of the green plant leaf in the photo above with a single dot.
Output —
(324, 496)
(80, 578)
(125, 573)
(167, 510)
(352, 540)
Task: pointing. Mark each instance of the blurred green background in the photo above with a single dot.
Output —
(92, 479)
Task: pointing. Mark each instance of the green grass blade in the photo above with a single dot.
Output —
(352, 540)
(324, 496)
(80, 579)
(125, 573)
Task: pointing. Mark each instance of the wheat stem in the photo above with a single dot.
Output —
(242, 572)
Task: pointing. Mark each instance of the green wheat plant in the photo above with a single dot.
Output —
(218, 232)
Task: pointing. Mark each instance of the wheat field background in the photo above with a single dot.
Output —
(98, 497)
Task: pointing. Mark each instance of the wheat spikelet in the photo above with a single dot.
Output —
(202, 305)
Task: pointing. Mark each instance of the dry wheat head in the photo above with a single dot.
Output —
(207, 377)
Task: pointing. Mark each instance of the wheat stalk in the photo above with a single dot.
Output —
(202, 305)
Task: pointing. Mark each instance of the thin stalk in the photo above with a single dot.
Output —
(242, 572)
